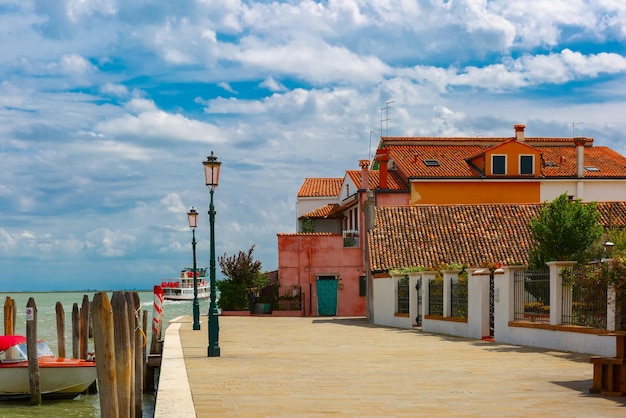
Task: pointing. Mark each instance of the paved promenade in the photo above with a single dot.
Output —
(320, 367)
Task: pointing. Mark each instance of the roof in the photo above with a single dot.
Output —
(322, 212)
(425, 235)
(559, 156)
(394, 181)
(320, 187)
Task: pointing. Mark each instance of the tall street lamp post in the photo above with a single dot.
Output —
(212, 176)
(192, 215)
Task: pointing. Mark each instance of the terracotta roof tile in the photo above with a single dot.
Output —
(320, 187)
(451, 153)
(561, 162)
(394, 181)
(424, 235)
(321, 212)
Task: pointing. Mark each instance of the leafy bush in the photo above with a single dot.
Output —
(233, 296)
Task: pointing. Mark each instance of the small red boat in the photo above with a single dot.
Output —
(58, 377)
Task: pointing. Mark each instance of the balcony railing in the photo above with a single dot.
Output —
(350, 238)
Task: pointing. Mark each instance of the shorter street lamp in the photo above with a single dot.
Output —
(212, 177)
(192, 215)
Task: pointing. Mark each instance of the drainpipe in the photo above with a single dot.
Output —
(310, 282)
(370, 222)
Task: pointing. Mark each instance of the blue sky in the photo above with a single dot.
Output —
(109, 107)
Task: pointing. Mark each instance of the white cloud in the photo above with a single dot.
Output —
(272, 85)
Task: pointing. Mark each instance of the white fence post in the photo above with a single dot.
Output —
(557, 291)
(449, 277)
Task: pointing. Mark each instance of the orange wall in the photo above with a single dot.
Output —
(512, 150)
(302, 257)
(429, 193)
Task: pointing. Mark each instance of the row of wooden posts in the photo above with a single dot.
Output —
(125, 371)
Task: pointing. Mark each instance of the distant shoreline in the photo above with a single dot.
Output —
(75, 291)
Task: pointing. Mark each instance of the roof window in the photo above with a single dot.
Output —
(431, 163)
(591, 168)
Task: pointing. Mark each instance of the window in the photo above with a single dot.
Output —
(402, 301)
(591, 168)
(526, 164)
(498, 164)
(362, 286)
(431, 163)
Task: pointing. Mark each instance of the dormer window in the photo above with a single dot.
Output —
(526, 164)
(431, 163)
(498, 165)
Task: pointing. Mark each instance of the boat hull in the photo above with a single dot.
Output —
(54, 382)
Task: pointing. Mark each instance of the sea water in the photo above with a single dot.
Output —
(83, 405)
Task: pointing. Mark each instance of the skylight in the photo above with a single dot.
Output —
(431, 163)
(591, 168)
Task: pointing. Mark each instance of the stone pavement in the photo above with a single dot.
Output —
(320, 367)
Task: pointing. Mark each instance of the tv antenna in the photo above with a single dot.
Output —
(386, 119)
(369, 150)
(574, 125)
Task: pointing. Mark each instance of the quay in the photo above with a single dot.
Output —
(330, 366)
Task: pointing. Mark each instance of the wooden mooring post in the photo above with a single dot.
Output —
(104, 341)
(118, 340)
(60, 316)
(75, 331)
(31, 348)
(10, 312)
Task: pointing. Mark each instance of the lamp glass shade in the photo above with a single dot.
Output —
(192, 215)
(212, 171)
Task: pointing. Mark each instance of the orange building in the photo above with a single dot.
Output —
(328, 256)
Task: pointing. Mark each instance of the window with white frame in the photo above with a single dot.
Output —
(498, 165)
(527, 164)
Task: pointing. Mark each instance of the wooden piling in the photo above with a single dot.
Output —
(104, 343)
(84, 328)
(75, 331)
(31, 348)
(138, 360)
(60, 315)
(9, 316)
(123, 363)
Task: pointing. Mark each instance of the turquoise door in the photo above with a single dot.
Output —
(327, 295)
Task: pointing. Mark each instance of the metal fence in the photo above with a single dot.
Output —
(458, 299)
(532, 295)
(435, 297)
(403, 295)
(586, 303)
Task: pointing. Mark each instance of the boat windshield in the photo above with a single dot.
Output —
(18, 352)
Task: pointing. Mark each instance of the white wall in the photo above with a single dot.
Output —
(587, 190)
(384, 297)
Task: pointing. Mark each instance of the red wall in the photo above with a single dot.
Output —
(303, 257)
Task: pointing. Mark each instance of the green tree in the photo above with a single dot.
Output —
(243, 280)
(564, 230)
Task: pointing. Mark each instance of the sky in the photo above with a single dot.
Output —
(109, 107)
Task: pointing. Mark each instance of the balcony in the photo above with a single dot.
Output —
(350, 238)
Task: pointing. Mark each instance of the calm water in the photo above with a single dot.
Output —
(84, 405)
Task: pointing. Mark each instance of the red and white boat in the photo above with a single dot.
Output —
(182, 288)
(58, 377)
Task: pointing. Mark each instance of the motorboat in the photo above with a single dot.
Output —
(58, 377)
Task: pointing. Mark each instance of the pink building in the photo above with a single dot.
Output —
(326, 256)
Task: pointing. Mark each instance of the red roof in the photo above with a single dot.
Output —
(559, 156)
(320, 187)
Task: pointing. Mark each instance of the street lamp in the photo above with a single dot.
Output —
(212, 176)
(192, 215)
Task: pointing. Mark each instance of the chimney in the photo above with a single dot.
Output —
(519, 132)
(382, 156)
(365, 174)
(580, 156)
